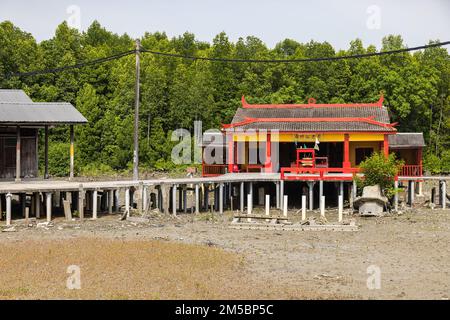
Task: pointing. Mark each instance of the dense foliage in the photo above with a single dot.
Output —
(175, 92)
(380, 170)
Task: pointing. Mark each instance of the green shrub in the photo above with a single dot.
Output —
(381, 170)
(432, 163)
(58, 159)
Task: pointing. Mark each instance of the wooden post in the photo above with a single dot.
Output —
(174, 199)
(285, 205)
(322, 206)
(46, 153)
(197, 199)
(220, 197)
(72, 139)
(94, 204)
(48, 196)
(303, 207)
(267, 204)
(18, 147)
(8, 209)
(340, 207)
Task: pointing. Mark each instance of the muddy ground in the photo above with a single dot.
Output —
(411, 250)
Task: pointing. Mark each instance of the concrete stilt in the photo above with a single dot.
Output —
(206, 196)
(94, 204)
(320, 189)
(81, 196)
(221, 198)
(444, 194)
(341, 189)
(303, 207)
(250, 190)
(48, 197)
(8, 209)
(249, 206)
(267, 204)
(127, 202)
(281, 193)
(285, 205)
(277, 194)
(174, 199)
(110, 201)
(197, 199)
(241, 197)
(322, 206)
(340, 207)
(311, 195)
(396, 195)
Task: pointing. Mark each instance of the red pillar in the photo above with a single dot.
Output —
(268, 164)
(230, 153)
(346, 163)
(386, 146)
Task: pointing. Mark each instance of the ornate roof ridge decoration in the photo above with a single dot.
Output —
(311, 104)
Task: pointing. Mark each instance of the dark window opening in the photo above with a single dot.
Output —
(362, 153)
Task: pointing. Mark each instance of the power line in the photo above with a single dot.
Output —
(356, 56)
(74, 66)
(175, 55)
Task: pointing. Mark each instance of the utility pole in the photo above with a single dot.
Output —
(136, 115)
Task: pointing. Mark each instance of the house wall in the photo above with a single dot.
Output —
(376, 145)
(28, 156)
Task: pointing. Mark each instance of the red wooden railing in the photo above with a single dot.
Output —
(317, 173)
(411, 170)
(212, 170)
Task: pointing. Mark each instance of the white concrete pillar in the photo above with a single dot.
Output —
(249, 204)
(220, 197)
(267, 204)
(8, 209)
(277, 194)
(444, 194)
(303, 207)
(48, 197)
(197, 199)
(341, 188)
(340, 207)
(322, 206)
(420, 185)
(285, 205)
(320, 189)
(241, 197)
(311, 195)
(281, 193)
(94, 204)
(127, 202)
(110, 201)
(174, 199)
(396, 195)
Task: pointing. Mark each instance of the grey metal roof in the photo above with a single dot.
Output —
(17, 108)
(406, 140)
(380, 114)
(14, 95)
(40, 113)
